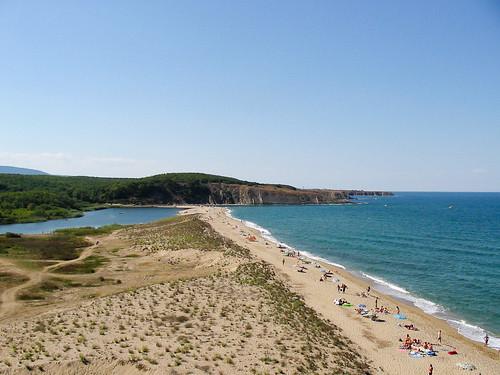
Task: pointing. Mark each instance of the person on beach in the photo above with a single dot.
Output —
(283, 261)
(431, 369)
(397, 309)
(368, 289)
(376, 302)
(486, 340)
(439, 336)
(338, 288)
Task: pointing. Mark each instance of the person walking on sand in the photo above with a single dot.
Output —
(376, 302)
(368, 289)
(486, 340)
(283, 261)
(431, 369)
(397, 309)
(439, 336)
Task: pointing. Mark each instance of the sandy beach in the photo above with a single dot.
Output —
(201, 293)
(378, 340)
(170, 297)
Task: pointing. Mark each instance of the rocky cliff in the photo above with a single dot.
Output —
(221, 193)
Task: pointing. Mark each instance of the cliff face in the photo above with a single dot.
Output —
(267, 194)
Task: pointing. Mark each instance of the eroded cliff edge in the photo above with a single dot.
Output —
(221, 193)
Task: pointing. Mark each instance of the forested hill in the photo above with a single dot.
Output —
(26, 198)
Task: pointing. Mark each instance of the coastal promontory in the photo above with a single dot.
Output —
(28, 198)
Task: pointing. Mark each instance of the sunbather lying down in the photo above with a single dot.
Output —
(367, 313)
(411, 327)
(340, 301)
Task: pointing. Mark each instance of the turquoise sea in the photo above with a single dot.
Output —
(438, 251)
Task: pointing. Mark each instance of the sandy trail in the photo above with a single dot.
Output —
(88, 251)
(8, 297)
(9, 303)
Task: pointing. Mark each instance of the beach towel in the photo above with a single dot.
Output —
(347, 305)
(400, 316)
(415, 355)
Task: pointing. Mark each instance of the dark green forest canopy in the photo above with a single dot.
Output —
(26, 198)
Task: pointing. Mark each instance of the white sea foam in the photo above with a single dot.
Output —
(470, 331)
(385, 283)
(474, 332)
(264, 233)
(315, 257)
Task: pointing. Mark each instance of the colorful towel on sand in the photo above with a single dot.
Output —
(415, 355)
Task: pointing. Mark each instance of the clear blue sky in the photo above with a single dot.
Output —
(391, 95)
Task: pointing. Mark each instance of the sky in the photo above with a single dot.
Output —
(389, 95)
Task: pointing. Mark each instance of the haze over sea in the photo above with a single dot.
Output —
(440, 251)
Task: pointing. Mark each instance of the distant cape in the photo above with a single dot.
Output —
(17, 170)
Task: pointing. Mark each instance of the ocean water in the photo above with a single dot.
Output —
(438, 251)
(125, 215)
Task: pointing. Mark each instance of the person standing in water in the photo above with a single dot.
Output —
(439, 336)
(486, 340)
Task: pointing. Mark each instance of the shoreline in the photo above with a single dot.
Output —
(467, 348)
(397, 292)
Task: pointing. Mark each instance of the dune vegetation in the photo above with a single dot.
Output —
(168, 297)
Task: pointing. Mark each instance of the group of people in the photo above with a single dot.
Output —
(341, 288)
(417, 345)
(382, 310)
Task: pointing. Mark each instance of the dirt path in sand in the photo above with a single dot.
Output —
(9, 302)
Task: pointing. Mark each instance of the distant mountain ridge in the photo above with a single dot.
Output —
(6, 169)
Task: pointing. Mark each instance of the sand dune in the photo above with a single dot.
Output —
(188, 301)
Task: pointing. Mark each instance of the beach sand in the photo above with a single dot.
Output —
(193, 295)
(188, 301)
(378, 340)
